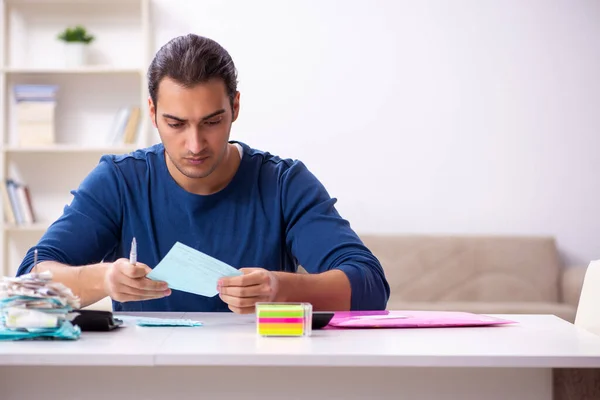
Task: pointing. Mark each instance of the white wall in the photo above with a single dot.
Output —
(424, 116)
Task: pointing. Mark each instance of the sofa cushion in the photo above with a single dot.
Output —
(468, 268)
(563, 311)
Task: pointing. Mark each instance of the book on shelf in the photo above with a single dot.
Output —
(35, 110)
(16, 198)
(126, 126)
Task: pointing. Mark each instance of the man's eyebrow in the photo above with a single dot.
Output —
(221, 111)
(174, 117)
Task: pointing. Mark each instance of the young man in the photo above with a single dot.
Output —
(255, 211)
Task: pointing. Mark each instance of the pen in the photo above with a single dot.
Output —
(133, 252)
(35, 260)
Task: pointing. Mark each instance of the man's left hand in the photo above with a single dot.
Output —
(242, 292)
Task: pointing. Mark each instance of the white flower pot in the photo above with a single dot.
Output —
(75, 54)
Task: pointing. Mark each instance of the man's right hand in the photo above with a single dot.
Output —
(127, 282)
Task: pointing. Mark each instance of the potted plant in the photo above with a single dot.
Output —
(76, 40)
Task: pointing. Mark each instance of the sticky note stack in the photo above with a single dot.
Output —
(284, 319)
(33, 306)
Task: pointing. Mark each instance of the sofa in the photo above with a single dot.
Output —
(478, 273)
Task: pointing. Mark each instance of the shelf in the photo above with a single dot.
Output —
(89, 101)
(77, 2)
(70, 148)
(83, 70)
(38, 227)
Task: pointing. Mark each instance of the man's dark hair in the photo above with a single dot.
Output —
(190, 60)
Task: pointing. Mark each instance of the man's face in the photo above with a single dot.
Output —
(194, 124)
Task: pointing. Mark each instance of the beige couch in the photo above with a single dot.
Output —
(481, 274)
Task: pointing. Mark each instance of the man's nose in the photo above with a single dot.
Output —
(195, 141)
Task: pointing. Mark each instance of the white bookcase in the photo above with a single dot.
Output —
(87, 101)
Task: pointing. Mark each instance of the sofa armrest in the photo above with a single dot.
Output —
(571, 284)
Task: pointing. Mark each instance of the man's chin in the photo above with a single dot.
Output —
(196, 173)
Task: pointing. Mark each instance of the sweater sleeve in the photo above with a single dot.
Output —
(321, 240)
(90, 225)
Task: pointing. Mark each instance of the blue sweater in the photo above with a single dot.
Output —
(274, 214)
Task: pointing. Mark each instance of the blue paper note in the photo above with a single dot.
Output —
(189, 270)
(150, 321)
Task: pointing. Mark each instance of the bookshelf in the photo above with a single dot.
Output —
(73, 70)
(89, 104)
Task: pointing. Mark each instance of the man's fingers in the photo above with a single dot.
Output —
(134, 276)
(238, 301)
(132, 289)
(141, 294)
(241, 302)
(246, 291)
(252, 278)
(128, 282)
(244, 310)
(124, 297)
(135, 271)
(241, 293)
(144, 284)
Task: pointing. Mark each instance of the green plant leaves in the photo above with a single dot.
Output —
(76, 34)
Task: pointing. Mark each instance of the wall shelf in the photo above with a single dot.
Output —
(70, 148)
(67, 2)
(39, 227)
(81, 70)
(89, 103)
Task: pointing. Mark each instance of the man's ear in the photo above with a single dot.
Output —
(236, 106)
(152, 111)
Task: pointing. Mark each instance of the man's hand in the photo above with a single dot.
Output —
(127, 282)
(242, 292)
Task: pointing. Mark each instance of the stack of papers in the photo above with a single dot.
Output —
(33, 306)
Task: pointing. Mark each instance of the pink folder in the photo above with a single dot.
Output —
(412, 319)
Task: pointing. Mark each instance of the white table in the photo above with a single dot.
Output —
(225, 359)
